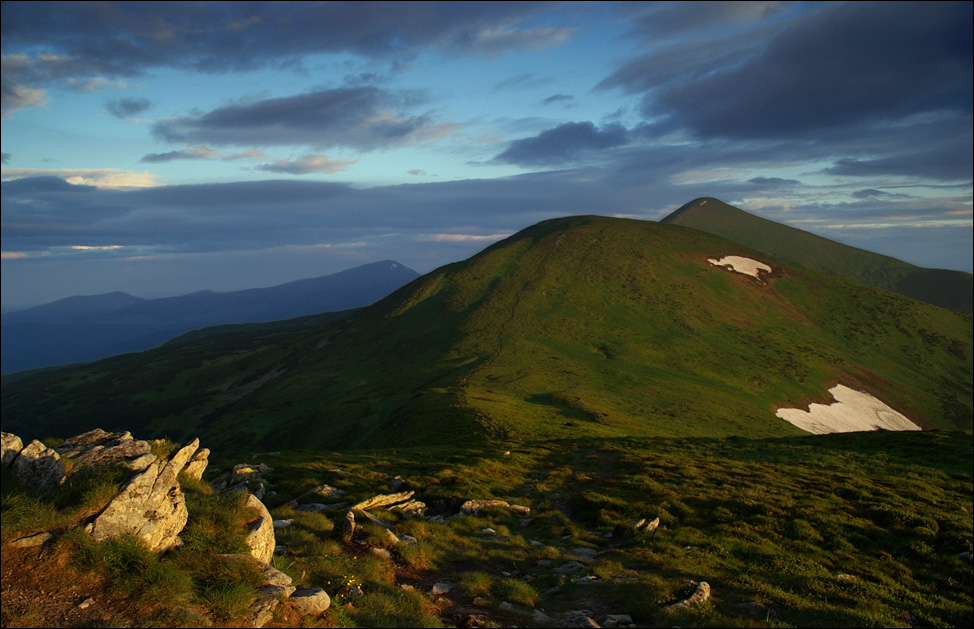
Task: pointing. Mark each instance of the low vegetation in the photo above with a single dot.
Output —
(862, 529)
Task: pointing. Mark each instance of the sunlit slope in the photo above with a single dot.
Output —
(575, 327)
(950, 289)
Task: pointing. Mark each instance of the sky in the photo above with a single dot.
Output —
(165, 148)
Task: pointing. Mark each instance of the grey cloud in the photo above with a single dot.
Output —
(193, 152)
(655, 19)
(5, 157)
(525, 79)
(563, 144)
(843, 66)
(359, 117)
(127, 107)
(557, 98)
(773, 182)
(309, 164)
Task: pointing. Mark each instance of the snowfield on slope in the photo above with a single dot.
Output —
(852, 411)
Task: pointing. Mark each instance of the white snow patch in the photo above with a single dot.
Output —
(853, 411)
(741, 264)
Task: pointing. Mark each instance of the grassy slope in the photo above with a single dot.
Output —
(949, 289)
(582, 327)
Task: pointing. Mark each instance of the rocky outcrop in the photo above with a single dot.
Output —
(38, 467)
(197, 465)
(151, 506)
(473, 507)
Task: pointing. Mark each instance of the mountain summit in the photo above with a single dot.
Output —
(574, 327)
(941, 287)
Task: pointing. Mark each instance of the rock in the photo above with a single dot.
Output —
(317, 507)
(580, 621)
(396, 482)
(383, 500)
(411, 508)
(197, 465)
(753, 608)
(584, 554)
(260, 536)
(381, 553)
(966, 556)
(480, 601)
(589, 580)
(439, 589)
(472, 507)
(97, 448)
(268, 598)
(38, 467)
(845, 577)
(85, 604)
(32, 541)
(644, 526)
(540, 617)
(348, 526)
(273, 576)
(311, 601)
(11, 447)
(324, 491)
(474, 621)
(283, 524)
(507, 606)
(617, 620)
(699, 596)
(570, 567)
(150, 506)
(373, 519)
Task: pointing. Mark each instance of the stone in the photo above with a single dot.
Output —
(383, 500)
(411, 508)
(260, 531)
(32, 541)
(197, 465)
(348, 526)
(699, 596)
(396, 482)
(11, 447)
(540, 617)
(311, 601)
(617, 620)
(150, 506)
(439, 589)
(472, 507)
(38, 467)
(645, 526)
(97, 448)
(373, 519)
(283, 524)
(324, 491)
(570, 567)
(579, 621)
(753, 608)
(584, 554)
(317, 507)
(381, 553)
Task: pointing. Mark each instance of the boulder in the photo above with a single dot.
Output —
(348, 527)
(39, 467)
(384, 500)
(260, 532)
(472, 507)
(97, 448)
(311, 601)
(150, 506)
(11, 447)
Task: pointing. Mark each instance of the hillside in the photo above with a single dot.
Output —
(80, 329)
(949, 289)
(573, 328)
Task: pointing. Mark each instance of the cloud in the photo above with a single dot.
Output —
(773, 182)
(364, 118)
(557, 98)
(123, 108)
(16, 97)
(5, 158)
(563, 144)
(308, 164)
(843, 66)
(79, 45)
(193, 152)
(101, 178)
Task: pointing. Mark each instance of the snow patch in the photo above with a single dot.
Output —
(747, 266)
(853, 411)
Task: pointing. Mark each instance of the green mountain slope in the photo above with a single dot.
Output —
(950, 289)
(572, 328)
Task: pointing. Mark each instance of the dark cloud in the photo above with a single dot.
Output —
(563, 144)
(557, 98)
(653, 20)
(843, 66)
(5, 157)
(49, 44)
(127, 107)
(361, 117)
(951, 162)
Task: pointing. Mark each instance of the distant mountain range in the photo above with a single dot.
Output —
(572, 328)
(80, 329)
(941, 287)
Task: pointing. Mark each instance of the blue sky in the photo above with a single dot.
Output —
(165, 148)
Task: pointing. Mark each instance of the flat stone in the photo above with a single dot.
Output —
(311, 601)
(32, 541)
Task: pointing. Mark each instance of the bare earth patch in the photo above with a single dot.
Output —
(740, 264)
(853, 411)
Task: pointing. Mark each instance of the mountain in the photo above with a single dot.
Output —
(949, 289)
(582, 327)
(79, 329)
